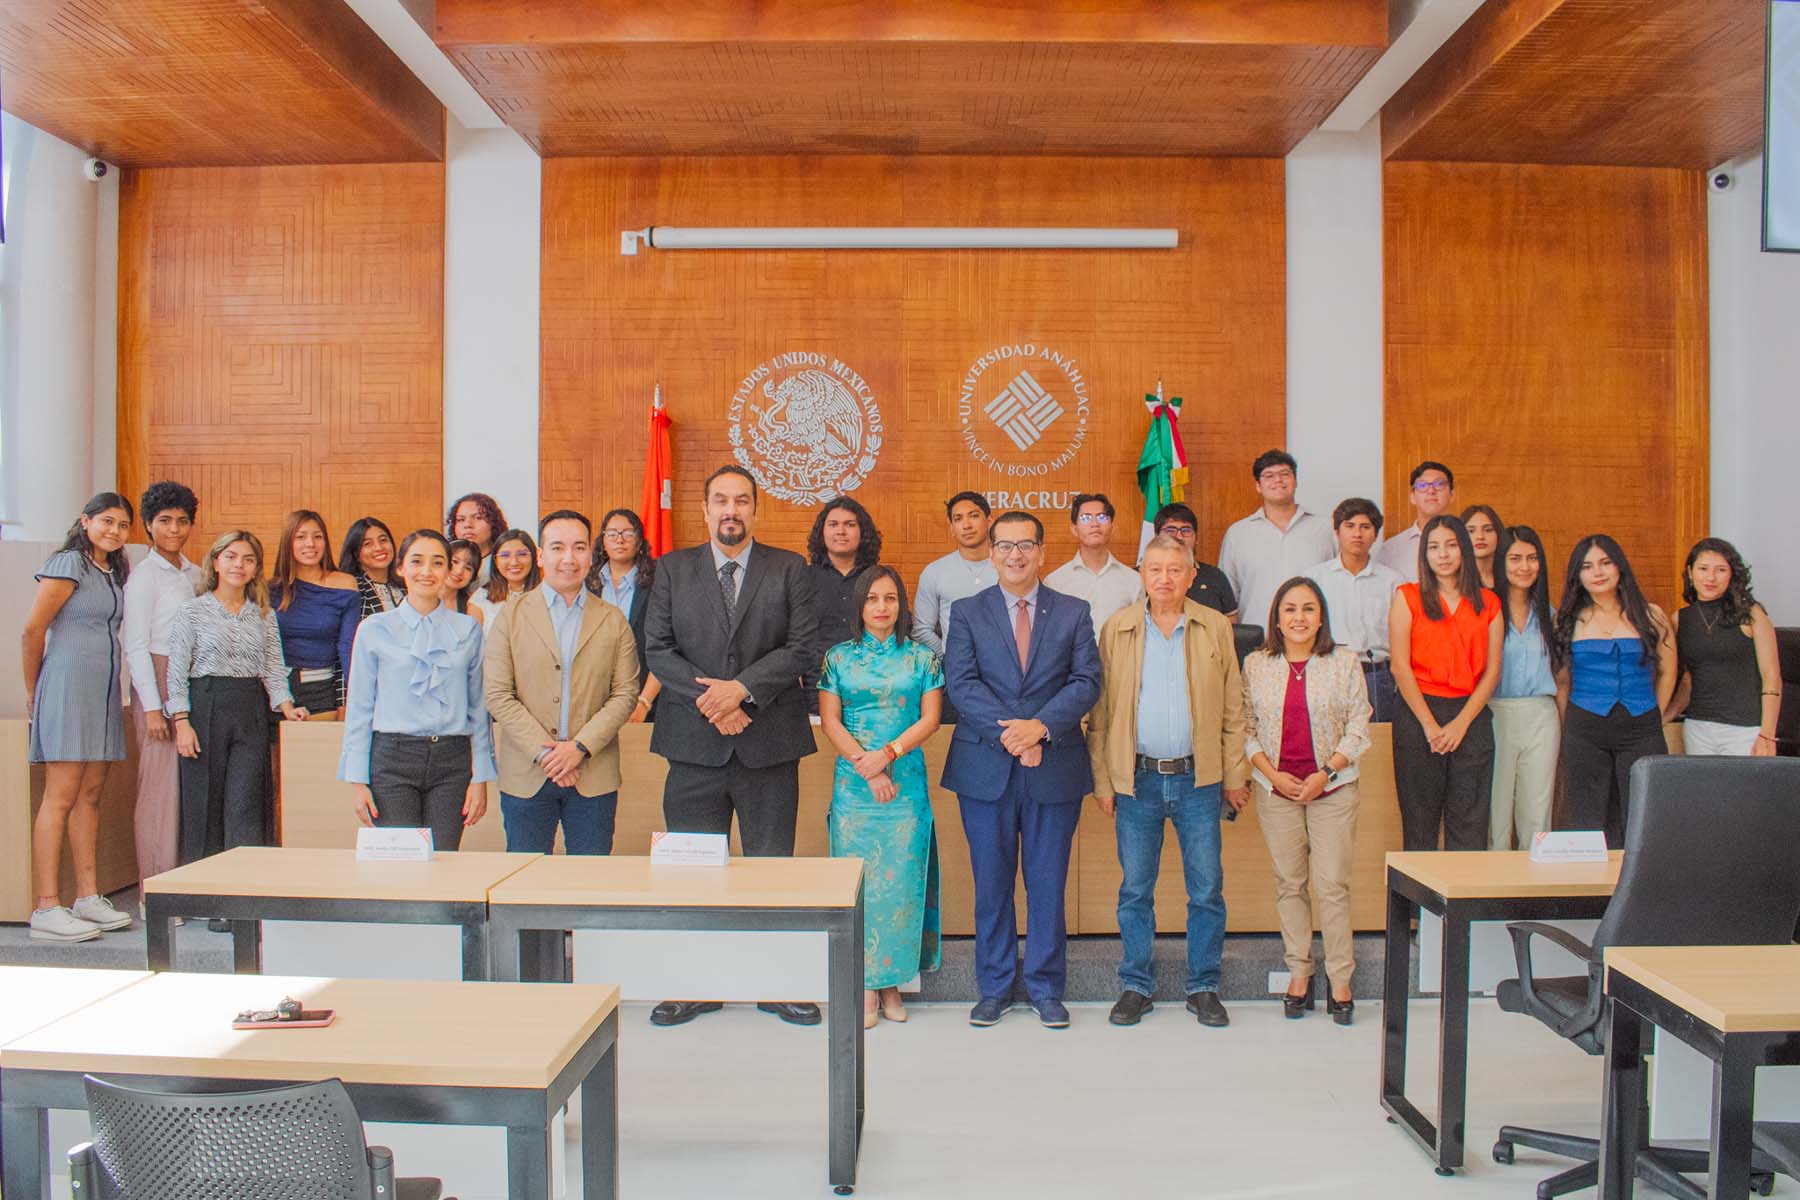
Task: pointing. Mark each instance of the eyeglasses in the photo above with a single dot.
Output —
(1432, 485)
(1093, 519)
(618, 535)
(1007, 548)
(1178, 530)
(1276, 475)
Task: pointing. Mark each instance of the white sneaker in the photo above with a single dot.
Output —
(60, 925)
(98, 910)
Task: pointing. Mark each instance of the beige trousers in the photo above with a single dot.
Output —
(1310, 845)
(1527, 735)
(158, 820)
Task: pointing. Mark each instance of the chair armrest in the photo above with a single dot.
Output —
(381, 1172)
(1523, 930)
(84, 1172)
(1522, 933)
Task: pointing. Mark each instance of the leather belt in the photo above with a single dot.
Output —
(1166, 766)
(1371, 667)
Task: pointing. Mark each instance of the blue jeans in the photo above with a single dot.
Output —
(587, 821)
(1138, 821)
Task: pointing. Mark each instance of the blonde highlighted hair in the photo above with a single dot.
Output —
(257, 590)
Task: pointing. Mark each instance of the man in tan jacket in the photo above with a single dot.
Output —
(561, 676)
(1167, 743)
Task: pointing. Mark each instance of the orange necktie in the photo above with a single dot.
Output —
(1022, 634)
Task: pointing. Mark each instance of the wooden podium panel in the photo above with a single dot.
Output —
(22, 788)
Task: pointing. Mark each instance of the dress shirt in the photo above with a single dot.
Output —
(1524, 662)
(1400, 553)
(831, 600)
(1358, 604)
(720, 558)
(1164, 728)
(620, 596)
(942, 583)
(565, 620)
(154, 593)
(1012, 607)
(1211, 588)
(1107, 590)
(206, 639)
(417, 674)
(1258, 556)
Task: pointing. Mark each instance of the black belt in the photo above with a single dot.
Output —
(1165, 766)
(1369, 668)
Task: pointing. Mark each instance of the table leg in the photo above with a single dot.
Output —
(1623, 1101)
(246, 947)
(25, 1132)
(528, 1160)
(1453, 1042)
(541, 956)
(158, 935)
(1396, 977)
(1733, 1107)
(475, 965)
(503, 951)
(844, 1041)
(600, 1128)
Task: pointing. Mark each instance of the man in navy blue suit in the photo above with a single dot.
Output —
(1021, 668)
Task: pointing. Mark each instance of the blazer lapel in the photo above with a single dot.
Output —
(591, 616)
(1001, 610)
(753, 576)
(708, 583)
(1039, 626)
(536, 615)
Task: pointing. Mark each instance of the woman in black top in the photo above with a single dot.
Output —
(1730, 683)
(368, 556)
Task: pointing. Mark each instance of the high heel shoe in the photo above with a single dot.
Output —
(1342, 1011)
(871, 1015)
(1294, 1007)
(893, 1010)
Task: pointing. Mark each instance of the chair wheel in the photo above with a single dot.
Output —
(843, 1189)
(1392, 1121)
(1446, 1172)
(1503, 1153)
(1763, 1182)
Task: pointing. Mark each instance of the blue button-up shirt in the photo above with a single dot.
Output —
(623, 594)
(1164, 725)
(419, 674)
(1524, 663)
(565, 620)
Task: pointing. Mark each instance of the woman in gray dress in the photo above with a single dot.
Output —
(74, 667)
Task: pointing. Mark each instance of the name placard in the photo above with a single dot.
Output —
(393, 845)
(1569, 846)
(689, 849)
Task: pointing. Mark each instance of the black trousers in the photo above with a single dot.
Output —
(1454, 790)
(699, 799)
(421, 781)
(225, 798)
(1597, 753)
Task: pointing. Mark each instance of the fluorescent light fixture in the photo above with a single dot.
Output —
(666, 237)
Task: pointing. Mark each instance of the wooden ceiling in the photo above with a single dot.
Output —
(1649, 83)
(1138, 77)
(150, 83)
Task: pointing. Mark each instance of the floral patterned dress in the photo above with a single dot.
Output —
(881, 685)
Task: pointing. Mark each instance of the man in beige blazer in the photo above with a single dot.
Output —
(561, 673)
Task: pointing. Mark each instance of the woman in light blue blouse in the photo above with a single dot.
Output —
(1527, 727)
(879, 698)
(417, 744)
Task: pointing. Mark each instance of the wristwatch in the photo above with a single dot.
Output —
(1331, 777)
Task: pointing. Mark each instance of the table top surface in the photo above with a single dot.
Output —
(1734, 989)
(408, 1032)
(1504, 874)
(633, 881)
(274, 871)
(32, 997)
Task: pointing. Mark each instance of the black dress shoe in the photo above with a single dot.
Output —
(1342, 1011)
(1206, 1008)
(793, 1014)
(218, 925)
(680, 1012)
(1294, 1007)
(987, 1011)
(1130, 1008)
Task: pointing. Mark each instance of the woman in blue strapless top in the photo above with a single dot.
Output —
(1617, 676)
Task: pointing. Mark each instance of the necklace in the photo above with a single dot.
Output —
(1299, 671)
(1711, 623)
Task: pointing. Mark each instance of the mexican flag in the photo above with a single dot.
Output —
(1162, 470)
(656, 506)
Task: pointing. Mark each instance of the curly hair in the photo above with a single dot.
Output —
(486, 505)
(868, 551)
(165, 494)
(642, 559)
(1740, 600)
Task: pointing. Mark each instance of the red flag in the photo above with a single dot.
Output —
(657, 505)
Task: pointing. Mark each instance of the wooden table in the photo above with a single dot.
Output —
(410, 1051)
(1463, 887)
(750, 894)
(1738, 1005)
(253, 884)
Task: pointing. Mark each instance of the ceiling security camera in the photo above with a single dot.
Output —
(95, 170)
(1721, 181)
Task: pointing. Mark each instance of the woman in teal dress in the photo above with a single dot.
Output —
(879, 699)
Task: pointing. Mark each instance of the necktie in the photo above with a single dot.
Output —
(1022, 633)
(728, 587)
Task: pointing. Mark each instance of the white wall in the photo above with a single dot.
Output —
(1755, 312)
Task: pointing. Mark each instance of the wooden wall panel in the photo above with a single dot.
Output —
(1546, 335)
(281, 342)
(1208, 317)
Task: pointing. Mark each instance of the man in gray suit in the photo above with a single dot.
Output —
(732, 718)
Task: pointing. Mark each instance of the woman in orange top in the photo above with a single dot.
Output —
(1445, 638)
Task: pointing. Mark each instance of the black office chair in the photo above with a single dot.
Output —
(292, 1143)
(1246, 638)
(1710, 849)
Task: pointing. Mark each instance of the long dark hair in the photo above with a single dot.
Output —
(1738, 601)
(351, 554)
(1468, 579)
(486, 505)
(1537, 597)
(859, 596)
(1631, 597)
(868, 551)
(1276, 645)
(116, 564)
(643, 560)
(1500, 538)
(465, 546)
(281, 579)
(497, 587)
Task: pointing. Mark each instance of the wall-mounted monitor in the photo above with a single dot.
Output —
(1781, 129)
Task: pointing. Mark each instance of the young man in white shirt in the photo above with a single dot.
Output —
(1432, 491)
(1276, 542)
(964, 571)
(1094, 574)
(1358, 591)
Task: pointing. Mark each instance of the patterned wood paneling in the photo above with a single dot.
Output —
(1209, 318)
(281, 341)
(214, 82)
(1651, 83)
(1547, 337)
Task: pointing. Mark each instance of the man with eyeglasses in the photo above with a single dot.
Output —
(1276, 542)
(1210, 587)
(1433, 491)
(1094, 574)
(1022, 668)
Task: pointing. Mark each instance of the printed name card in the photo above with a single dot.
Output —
(689, 849)
(1569, 846)
(393, 845)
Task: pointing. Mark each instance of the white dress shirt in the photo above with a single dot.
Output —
(154, 592)
(1400, 553)
(1258, 556)
(1358, 604)
(1107, 590)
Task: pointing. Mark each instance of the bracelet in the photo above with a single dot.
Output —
(642, 703)
(1765, 737)
(889, 751)
(896, 749)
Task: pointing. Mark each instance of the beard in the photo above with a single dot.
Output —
(731, 533)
